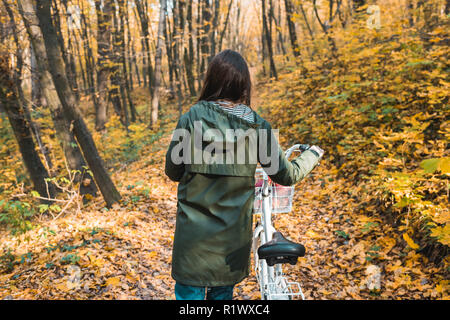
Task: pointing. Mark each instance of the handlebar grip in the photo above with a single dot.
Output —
(301, 147)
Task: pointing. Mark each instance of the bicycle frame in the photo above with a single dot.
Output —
(273, 284)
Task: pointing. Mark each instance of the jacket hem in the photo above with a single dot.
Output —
(208, 283)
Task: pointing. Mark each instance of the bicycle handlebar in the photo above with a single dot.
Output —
(296, 147)
(287, 153)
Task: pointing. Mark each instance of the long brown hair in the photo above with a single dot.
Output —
(227, 78)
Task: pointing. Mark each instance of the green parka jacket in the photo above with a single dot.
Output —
(213, 232)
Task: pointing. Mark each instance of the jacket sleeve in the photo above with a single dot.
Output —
(294, 171)
(175, 171)
(289, 172)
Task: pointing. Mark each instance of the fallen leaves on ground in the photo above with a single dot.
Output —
(125, 252)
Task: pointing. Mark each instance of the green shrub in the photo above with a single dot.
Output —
(15, 215)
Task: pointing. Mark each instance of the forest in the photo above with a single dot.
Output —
(91, 90)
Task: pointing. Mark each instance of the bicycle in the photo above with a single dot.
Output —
(270, 248)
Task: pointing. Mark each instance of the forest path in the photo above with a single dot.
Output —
(345, 251)
(125, 252)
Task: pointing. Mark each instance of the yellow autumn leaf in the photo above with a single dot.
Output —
(410, 241)
(113, 281)
(388, 243)
(444, 165)
(98, 262)
(132, 277)
(442, 234)
(442, 286)
(313, 235)
(64, 287)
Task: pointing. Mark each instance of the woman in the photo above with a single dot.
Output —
(213, 236)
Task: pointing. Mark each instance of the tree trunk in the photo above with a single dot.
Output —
(116, 88)
(169, 50)
(146, 41)
(21, 96)
(273, 71)
(89, 56)
(125, 87)
(104, 55)
(144, 56)
(189, 57)
(308, 26)
(225, 26)
(326, 27)
(178, 24)
(68, 101)
(129, 48)
(215, 23)
(205, 50)
(67, 55)
(278, 31)
(8, 98)
(78, 53)
(37, 99)
(291, 26)
(263, 50)
(62, 126)
(198, 43)
(158, 56)
(180, 46)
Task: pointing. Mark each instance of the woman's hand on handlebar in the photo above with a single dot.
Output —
(319, 151)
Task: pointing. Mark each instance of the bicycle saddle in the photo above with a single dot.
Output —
(280, 250)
